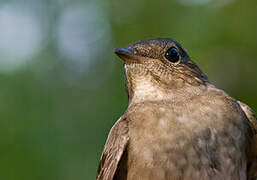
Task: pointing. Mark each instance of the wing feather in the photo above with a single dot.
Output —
(252, 154)
(113, 150)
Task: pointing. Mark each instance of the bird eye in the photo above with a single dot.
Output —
(172, 55)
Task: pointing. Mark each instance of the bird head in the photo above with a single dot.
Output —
(159, 65)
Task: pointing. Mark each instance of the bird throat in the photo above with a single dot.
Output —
(143, 84)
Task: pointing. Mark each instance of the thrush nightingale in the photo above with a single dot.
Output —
(178, 126)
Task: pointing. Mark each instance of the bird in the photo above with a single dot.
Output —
(178, 125)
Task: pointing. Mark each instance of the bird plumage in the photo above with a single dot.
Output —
(177, 125)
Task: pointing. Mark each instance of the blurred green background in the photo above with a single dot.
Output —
(62, 88)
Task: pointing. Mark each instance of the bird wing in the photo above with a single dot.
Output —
(252, 154)
(113, 150)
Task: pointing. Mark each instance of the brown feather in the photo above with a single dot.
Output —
(252, 155)
(113, 150)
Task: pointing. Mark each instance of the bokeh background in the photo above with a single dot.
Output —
(62, 88)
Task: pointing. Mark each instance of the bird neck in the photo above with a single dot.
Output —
(142, 86)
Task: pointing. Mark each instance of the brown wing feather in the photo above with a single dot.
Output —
(114, 147)
(252, 155)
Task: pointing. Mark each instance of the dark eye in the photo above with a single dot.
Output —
(172, 54)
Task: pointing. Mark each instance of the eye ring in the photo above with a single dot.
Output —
(172, 55)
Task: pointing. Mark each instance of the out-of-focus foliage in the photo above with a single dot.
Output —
(62, 88)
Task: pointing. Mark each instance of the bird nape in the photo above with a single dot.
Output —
(178, 125)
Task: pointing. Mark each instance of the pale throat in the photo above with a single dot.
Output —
(145, 89)
(143, 86)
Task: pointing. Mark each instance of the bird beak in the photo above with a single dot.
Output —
(125, 53)
(130, 57)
